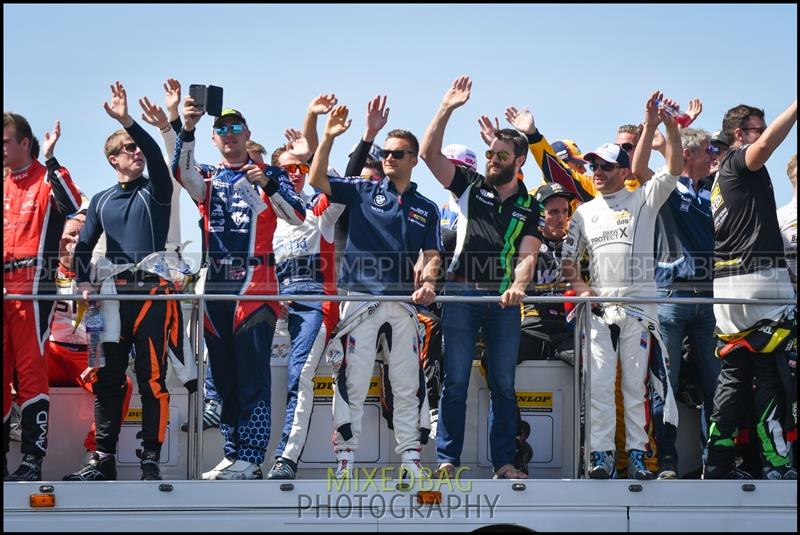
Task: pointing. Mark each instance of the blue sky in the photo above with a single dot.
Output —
(582, 69)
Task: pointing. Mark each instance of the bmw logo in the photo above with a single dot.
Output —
(380, 200)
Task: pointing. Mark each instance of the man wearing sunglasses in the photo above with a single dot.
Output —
(495, 256)
(754, 340)
(616, 229)
(390, 223)
(36, 201)
(134, 214)
(684, 242)
(561, 163)
(240, 202)
(304, 265)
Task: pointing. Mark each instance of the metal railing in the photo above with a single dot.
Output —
(582, 344)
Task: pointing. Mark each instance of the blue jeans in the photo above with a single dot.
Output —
(210, 390)
(501, 328)
(697, 323)
(304, 324)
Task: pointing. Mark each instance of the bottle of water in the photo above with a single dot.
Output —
(95, 325)
(680, 117)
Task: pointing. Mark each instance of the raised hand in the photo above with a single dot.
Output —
(488, 129)
(153, 115)
(50, 141)
(172, 97)
(118, 109)
(458, 94)
(296, 144)
(652, 112)
(337, 123)
(377, 116)
(694, 110)
(191, 114)
(521, 120)
(322, 104)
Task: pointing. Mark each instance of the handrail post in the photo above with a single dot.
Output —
(201, 383)
(587, 390)
(576, 390)
(191, 469)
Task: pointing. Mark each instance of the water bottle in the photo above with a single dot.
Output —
(95, 325)
(680, 117)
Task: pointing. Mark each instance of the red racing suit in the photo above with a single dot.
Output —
(36, 201)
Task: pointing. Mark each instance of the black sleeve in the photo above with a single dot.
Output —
(536, 137)
(176, 125)
(462, 179)
(358, 158)
(160, 181)
(66, 201)
(87, 239)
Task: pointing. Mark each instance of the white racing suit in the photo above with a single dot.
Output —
(367, 328)
(617, 232)
(630, 334)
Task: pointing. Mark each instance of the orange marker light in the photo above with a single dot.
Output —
(429, 497)
(43, 500)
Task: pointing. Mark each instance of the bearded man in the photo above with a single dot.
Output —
(498, 242)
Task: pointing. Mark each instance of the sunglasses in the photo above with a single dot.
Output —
(235, 128)
(712, 150)
(759, 129)
(294, 168)
(627, 147)
(605, 166)
(501, 155)
(396, 154)
(130, 148)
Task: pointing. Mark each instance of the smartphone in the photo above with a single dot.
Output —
(214, 100)
(198, 93)
(207, 98)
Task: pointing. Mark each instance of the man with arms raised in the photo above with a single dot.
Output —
(389, 224)
(498, 241)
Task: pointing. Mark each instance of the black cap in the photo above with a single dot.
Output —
(229, 113)
(552, 189)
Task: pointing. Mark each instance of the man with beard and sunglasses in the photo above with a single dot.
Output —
(616, 229)
(499, 240)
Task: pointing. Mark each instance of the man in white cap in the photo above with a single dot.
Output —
(616, 229)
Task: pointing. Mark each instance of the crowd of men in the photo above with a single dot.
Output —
(704, 225)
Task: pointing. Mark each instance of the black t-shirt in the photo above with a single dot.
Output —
(546, 316)
(747, 237)
(494, 230)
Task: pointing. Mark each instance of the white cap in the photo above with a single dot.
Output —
(461, 154)
(611, 153)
